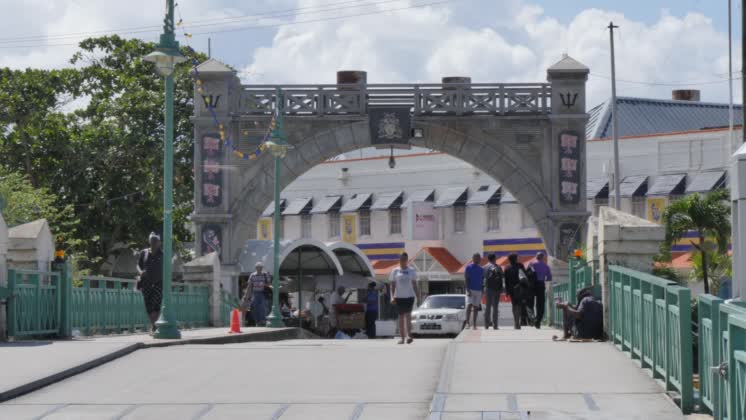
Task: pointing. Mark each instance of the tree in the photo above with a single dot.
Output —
(708, 216)
(22, 203)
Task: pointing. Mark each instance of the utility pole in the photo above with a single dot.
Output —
(743, 69)
(209, 47)
(614, 131)
(731, 116)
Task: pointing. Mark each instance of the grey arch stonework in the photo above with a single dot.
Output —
(521, 150)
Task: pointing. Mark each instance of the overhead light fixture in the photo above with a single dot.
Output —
(392, 162)
(418, 133)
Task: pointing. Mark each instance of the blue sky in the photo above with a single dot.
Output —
(661, 44)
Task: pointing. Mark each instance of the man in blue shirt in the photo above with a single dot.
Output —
(371, 310)
(542, 275)
(474, 278)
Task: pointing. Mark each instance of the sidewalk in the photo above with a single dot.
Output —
(29, 365)
(510, 374)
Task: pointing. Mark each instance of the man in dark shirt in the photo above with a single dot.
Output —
(516, 286)
(371, 310)
(150, 269)
(584, 321)
(493, 283)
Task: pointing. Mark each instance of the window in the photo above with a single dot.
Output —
(364, 222)
(459, 219)
(598, 203)
(526, 220)
(395, 221)
(638, 207)
(493, 217)
(334, 225)
(305, 226)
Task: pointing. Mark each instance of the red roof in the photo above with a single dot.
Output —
(384, 267)
(443, 257)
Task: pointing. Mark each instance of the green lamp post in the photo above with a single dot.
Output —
(166, 57)
(278, 147)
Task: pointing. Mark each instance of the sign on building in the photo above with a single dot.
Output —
(569, 174)
(424, 221)
(655, 209)
(265, 229)
(349, 228)
(389, 125)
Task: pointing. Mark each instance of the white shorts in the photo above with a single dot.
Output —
(476, 297)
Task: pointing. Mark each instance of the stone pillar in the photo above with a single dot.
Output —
(738, 200)
(591, 242)
(216, 97)
(352, 77)
(566, 178)
(206, 270)
(626, 240)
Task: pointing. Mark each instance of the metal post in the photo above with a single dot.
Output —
(275, 318)
(743, 68)
(731, 117)
(166, 326)
(614, 131)
(300, 287)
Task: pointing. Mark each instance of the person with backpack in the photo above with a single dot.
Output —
(493, 283)
(255, 296)
(539, 275)
(518, 288)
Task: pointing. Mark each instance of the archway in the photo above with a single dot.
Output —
(530, 138)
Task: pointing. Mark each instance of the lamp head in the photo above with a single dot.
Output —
(277, 145)
(165, 60)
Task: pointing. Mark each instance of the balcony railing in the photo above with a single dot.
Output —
(423, 99)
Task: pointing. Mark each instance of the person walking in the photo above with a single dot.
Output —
(493, 284)
(542, 275)
(516, 283)
(255, 295)
(474, 278)
(371, 310)
(150, 283)
(403, 280)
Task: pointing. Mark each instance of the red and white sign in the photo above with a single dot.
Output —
(424, 221)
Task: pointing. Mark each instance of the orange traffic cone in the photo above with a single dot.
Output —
(235, 322)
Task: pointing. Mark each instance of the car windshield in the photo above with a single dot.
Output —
(440, 302)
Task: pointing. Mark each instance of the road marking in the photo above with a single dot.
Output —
(358, 411)
(52, 410)
(126, 412)
(202, 412)
(590, 402)
(280, 411)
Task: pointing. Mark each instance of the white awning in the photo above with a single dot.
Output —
(355, 203)
(506, 196)
(486, 194)
(706, 181)
(298, 206)
(597, 188)
(270, 210)
(327, 204)
(668, 185)
(419, 196)
(452, 196)
(388, 200)
(634, 185)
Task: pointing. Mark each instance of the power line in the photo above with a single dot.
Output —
(671, 84)
(33, 40)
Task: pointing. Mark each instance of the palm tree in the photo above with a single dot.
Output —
(709, 216)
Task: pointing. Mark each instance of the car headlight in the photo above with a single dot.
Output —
(451, 317)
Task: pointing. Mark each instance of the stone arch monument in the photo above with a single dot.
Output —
(529, 137)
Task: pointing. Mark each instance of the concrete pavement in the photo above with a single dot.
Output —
(298, 379)
(508, 374)
(29, 365)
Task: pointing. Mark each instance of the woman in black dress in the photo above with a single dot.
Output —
(150, 267)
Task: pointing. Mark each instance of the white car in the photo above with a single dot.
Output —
(440, 315)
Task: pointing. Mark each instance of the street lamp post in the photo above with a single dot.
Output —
(165, 57)
(278, 146)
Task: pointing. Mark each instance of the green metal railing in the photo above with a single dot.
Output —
(46, 303)
(557, 292)
(581, 276)
(33, 303)
(228, 302)
(650, 320)
(722, 343)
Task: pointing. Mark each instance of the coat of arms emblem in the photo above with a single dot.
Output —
(389, 127)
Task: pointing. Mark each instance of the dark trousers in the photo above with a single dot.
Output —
(490, 312)
(370, 324)
(518, 314)
(540, 293)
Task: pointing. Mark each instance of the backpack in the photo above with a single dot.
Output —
(495, 275)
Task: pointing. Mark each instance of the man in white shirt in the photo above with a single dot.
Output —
(403, 280)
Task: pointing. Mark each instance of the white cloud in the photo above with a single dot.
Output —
(424, 44)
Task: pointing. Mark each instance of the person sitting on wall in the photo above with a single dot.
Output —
(583, 322)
